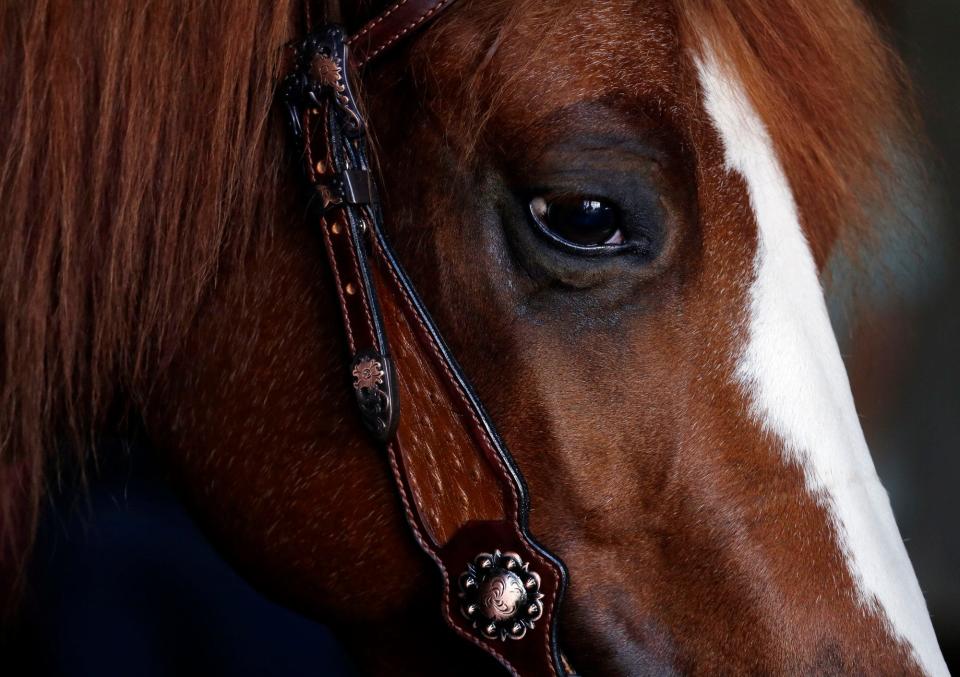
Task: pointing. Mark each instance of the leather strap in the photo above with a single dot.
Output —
(400, 19)
(463, 496)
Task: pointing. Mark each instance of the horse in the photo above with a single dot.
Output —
(618, 214)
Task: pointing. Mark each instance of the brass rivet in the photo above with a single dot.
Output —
(335, 228)
(318, 167)
(351, 290)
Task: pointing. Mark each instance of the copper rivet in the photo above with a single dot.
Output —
(335, 228)
(318, 168)
(351, 290)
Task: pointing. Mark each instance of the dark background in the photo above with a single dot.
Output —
(123, 583)
(901, 340)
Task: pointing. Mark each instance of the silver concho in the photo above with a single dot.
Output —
(500, 595)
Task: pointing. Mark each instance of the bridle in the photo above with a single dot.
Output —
(469, 511)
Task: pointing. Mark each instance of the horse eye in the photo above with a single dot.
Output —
(577, 220)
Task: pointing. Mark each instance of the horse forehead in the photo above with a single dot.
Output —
(543, 56)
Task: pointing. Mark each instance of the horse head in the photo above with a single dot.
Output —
(617, 214)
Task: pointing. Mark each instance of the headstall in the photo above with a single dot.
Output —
(464, 498)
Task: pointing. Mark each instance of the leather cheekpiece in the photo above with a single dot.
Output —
(463, 496)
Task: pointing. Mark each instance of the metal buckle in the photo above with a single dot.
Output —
(356, 186)
(321, 71)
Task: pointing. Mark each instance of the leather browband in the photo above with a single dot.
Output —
(398, 20)
(463, 496)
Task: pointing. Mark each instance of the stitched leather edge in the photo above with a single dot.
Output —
(487, 444)
(396, 36)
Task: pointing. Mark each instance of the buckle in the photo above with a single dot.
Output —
(321, 72)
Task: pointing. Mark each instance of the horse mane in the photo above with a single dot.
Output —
(136, 143)
(138, 153)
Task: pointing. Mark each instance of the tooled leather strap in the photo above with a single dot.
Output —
(400, 19)
(464, 498)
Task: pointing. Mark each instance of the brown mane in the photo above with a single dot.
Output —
(139, 152)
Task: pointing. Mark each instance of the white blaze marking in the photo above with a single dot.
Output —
(792, 368)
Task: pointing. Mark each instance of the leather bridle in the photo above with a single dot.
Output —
(467, 505)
